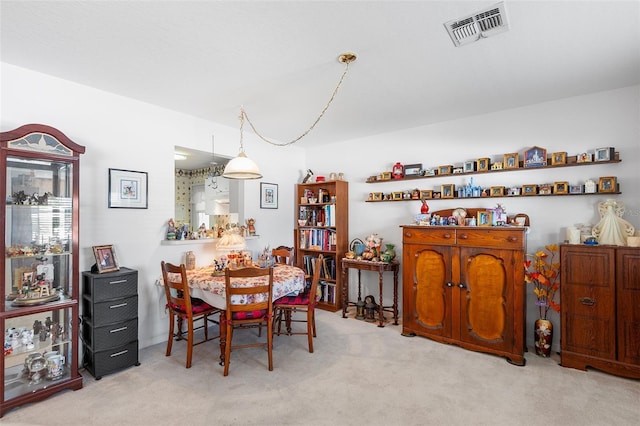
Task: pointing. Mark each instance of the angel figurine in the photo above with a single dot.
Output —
(612, 228)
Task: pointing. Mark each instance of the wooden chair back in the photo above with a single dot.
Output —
(284, 255)
(176, 287)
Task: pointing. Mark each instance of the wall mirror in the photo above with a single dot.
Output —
(202, 195)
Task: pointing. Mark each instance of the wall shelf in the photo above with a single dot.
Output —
(493, 196)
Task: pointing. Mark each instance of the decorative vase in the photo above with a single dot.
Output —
(424, 209)
(389, 253)
(543, 333)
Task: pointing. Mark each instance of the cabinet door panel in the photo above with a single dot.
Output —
(628, 303)
(431, 294)
(486, 299)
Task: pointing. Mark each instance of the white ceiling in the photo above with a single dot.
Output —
(278, 59)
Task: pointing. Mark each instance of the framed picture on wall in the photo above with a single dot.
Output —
(127, 189)
(268, 195)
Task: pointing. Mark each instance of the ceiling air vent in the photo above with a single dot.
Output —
(484, 23)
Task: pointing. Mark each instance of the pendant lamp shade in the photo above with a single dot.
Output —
(241, 167)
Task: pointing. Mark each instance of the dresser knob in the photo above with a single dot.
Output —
(587, 301)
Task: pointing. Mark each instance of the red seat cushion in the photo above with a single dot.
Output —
(197, 306)
(300, 299)
(243, 315)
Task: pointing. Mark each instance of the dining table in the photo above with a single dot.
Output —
(209, 285)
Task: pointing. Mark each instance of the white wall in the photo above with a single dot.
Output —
(573, 125)
(122, 133)
(126, 134)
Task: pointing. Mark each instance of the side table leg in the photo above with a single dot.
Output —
(345, 290)
(380, 308)
(395, 296)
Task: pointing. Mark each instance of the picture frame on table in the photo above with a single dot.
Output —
(558, 158)
(413, 169)
(607, 184)
(560, 188)
(269, 195)
(511, 161)
(483, 164)
(604, 154)
(128, 189)
(106, 260)
(447, 190)
(485, 218)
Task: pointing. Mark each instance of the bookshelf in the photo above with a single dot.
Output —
(322, 226)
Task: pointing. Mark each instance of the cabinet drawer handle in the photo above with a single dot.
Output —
(115, 330)
(462, 286)
(447, 236)
(587, 301)
(464, 237)
(512, 239)
(449, 284)
(408, 234)
(119, 353)
(117, 281)
(118, 306)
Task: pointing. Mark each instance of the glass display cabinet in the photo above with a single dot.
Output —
(39, 313)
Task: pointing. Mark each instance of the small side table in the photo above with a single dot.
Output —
(380, 267)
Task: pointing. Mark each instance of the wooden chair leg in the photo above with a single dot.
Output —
(310, 329)
(270, 347)
(227, 350)
(189, 343)
(170, 339)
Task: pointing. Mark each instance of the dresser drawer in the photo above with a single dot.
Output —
(429, 235)
(109, 286)
(102, 338)
(512, 239)
(105, 362)
(110, 312)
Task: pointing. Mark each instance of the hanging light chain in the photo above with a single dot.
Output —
(243, 113)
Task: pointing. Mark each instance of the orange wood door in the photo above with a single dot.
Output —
(628, 304)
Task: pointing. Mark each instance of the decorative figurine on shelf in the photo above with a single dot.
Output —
(251, 222)
(308, 176)
(171, 230)
(612, 228)
(397, 171)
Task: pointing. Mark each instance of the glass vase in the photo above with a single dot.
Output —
(543, 337)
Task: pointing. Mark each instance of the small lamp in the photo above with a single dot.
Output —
(360, 309)
(370, 309)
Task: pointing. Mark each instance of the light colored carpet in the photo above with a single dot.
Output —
(359, 375)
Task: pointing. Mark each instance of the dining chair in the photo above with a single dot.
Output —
(284, 255)
(290, 305)
(248, 305)
(184, 308)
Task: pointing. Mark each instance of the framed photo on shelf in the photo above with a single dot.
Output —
(412, 169)
(497, 191)
(386, 175)
(511, 161)
(469, 166)
(127, 189)
(607, 184)
(558, 158)
(426, 194)
(561, 187)
(445, 170)
(485, 218)
(482, 164)
(604, 154)
(545, 189)
(447, 190)
(396, 196)
(106, 260)
(529, 189)
(377, 196)
(535, 157)
(269, 195)
(575, 189)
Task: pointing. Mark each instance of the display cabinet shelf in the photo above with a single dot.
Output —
(39, 187)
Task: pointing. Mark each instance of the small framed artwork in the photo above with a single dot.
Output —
(105, 259)
(497, 191)
(269, 195)
(514, 191)
(535, 157)
(529, 189)
(511, 161)
(561, 187)
(485, 218)
(545, 189)
(22, 277)
(377, 196)
(469, 166)
(457, 170)
(607, 184)
(426, 194)
(397, 196)
(445, 170)
(482, 164)
(447, 190)
(430, 172)
(386, 175)
(604, 154)
(575, 189)
(127, 189)
(583, 157)
(412, 169)
(558, 158)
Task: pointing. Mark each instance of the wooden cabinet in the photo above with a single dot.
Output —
(322, 226)
(600, 315)
(465, 285)
(109, 321)
(39, 187)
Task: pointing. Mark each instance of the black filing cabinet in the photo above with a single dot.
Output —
(109, 321)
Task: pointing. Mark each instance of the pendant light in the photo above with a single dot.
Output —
(242, 167)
